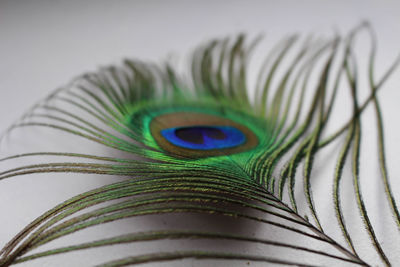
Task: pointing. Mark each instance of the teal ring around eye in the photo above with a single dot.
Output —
(202, 137)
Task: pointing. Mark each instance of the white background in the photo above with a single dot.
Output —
(44, 44)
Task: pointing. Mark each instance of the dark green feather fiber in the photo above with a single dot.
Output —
(266, 177)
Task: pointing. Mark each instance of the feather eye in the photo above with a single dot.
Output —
(191, 135)
(206, 147)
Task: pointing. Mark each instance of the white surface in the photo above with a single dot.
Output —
(44, 44)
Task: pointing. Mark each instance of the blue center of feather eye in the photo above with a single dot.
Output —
(204, 137)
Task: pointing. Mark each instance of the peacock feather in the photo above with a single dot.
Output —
(209, 148)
